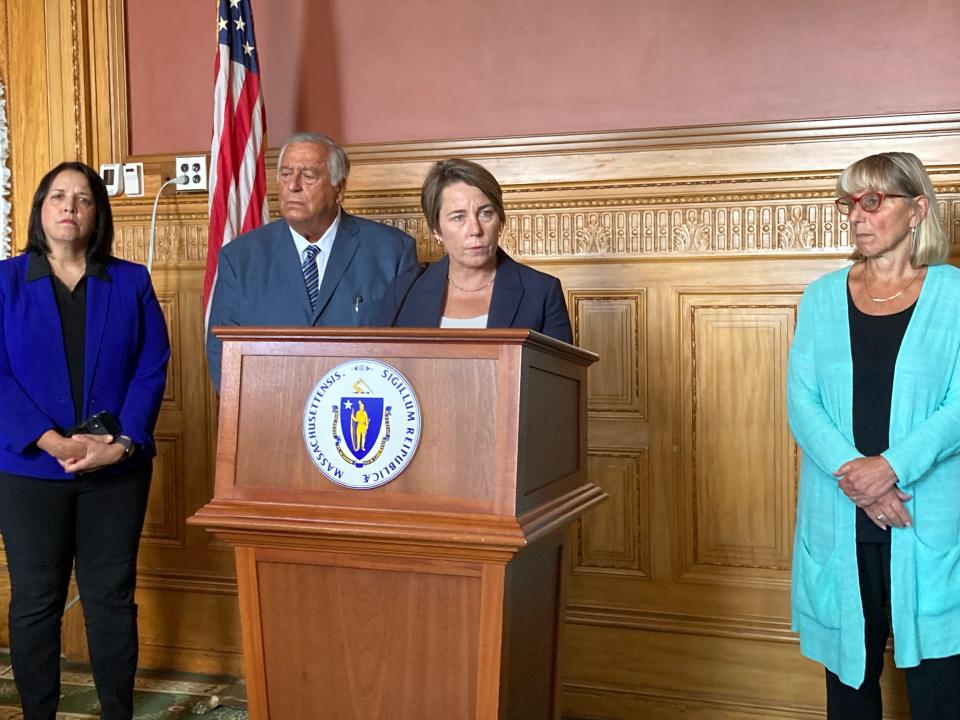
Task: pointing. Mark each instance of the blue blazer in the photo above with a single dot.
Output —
(260, 280)
(522, 298)
(125, 363)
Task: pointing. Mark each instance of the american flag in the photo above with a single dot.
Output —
(238, 182)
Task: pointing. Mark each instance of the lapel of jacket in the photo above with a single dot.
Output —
(50, 325)
(345, 246)
(507, 293)
(98, 309)
(426, 298)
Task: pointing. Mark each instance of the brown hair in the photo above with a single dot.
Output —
(454, 170)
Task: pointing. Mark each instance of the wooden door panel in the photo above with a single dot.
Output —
(739, 461)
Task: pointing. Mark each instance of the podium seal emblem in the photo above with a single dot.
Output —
(361, 424)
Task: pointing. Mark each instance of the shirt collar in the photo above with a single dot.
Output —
(38, 266)
(325, 243)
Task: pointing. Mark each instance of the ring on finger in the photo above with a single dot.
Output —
(881, 517)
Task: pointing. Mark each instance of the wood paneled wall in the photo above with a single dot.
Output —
(683, 254)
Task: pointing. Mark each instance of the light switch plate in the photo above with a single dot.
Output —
(133, 179)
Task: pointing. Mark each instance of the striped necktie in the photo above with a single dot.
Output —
(311, 275)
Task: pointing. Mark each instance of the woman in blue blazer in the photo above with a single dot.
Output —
(476, 284)
(81, 334)
(873, 394)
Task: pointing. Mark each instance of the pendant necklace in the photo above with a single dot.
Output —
(897, 294)
(470, 290)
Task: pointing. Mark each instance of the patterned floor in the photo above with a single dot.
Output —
(175, 696)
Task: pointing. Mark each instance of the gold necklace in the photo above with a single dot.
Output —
(466, 290)
(897, 294)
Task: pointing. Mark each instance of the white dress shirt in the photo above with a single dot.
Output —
(480, 321)
(325, 243)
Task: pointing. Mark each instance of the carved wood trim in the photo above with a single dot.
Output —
(579, 223)
(76, 41)
(4, 45)
(66, 68)
(112, 54)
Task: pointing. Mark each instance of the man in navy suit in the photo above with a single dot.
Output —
(263, 275)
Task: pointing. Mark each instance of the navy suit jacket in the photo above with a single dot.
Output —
(260, 280)
(522, 298)
(125, 363)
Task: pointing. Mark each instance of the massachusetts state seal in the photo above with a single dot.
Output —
(361, 424)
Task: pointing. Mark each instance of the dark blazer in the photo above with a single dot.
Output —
(522, 298)
(125, 362)
(260, 280)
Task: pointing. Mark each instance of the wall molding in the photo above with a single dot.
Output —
(581, 223)
(784, 155)
(869, 127)
(751, 189)
(689, 700)
(177, 581)
(765, 629)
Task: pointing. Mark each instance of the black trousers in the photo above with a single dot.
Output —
(933, 686)
(46, 527)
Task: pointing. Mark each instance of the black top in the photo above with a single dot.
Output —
(73, 319)
(874, 344)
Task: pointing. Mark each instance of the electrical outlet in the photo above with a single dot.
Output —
(195, 168)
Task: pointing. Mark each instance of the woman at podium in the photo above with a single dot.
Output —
(83, 364)
(476, 284)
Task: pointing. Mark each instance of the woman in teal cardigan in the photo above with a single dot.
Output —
(874, 404)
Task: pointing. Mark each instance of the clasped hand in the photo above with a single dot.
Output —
(81, 453)
(871, 484)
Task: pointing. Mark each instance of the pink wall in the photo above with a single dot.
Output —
(378, 70)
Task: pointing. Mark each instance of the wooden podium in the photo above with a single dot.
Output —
(437, 595)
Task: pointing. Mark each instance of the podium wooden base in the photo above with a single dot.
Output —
(436, 596)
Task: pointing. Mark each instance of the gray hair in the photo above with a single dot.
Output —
(338, 164)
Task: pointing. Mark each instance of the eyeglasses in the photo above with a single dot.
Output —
(869, 202)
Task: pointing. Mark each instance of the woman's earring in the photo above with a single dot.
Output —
(438, 239)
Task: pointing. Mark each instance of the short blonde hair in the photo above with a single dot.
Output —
(901, 173)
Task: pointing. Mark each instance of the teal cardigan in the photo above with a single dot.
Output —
(924, 447)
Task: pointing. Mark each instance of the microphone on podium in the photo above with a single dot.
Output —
(396, 315)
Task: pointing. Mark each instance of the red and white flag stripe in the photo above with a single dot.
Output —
(238, 183)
